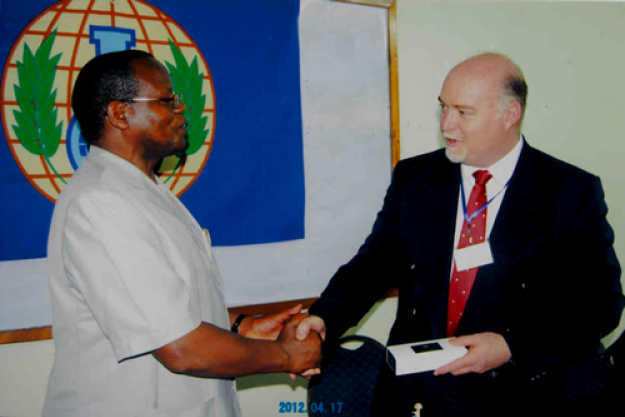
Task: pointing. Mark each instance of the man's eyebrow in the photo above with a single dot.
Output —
(458, 106)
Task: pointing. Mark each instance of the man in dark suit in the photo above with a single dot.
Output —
(494, 243)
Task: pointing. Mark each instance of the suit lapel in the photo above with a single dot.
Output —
(440, 199)
(512, 221)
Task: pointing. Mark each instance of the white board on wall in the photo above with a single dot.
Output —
(347, 159)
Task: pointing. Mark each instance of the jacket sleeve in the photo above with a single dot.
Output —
(361, 282)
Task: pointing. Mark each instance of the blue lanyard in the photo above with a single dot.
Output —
(476, 213)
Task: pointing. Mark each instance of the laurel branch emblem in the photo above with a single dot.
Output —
(36, 119)
(36, 127)
(187, 80)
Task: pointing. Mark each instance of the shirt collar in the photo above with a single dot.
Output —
(501, 170)
(132, 174)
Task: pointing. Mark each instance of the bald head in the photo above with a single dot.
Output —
(502, 72)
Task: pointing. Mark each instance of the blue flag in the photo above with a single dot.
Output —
(235, 62)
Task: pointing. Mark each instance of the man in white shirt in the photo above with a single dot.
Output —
(140, 323)
(498, 245)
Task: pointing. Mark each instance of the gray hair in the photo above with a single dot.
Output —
(514, 89)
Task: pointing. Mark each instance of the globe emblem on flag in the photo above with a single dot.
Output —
(36, 89)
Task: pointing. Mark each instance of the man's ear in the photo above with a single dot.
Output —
(116, 114)
(513, 114)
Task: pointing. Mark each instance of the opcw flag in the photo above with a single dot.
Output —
(236, 64)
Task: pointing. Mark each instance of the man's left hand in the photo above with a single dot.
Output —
(267, 327)
(486, 351)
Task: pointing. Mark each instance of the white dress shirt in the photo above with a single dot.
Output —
(501, 171)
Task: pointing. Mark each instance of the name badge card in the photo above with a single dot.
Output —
(473, 256)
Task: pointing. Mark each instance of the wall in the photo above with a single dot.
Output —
(572, 57)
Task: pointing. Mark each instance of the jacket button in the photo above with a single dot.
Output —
(412, 266)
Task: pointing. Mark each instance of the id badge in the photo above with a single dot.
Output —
(473, 256)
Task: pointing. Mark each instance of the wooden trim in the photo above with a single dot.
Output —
(394, 84)
(26, 335)
(377, 3)
(261, 309)
(45, 333)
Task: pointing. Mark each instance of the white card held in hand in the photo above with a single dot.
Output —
(412, 358)
(473, 256)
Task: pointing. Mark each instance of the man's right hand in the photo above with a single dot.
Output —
(315, 323)
(304, 352)
(309, 323)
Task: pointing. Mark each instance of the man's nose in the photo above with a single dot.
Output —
(448, 121)
(181, 108)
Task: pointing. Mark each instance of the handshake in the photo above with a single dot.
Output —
(298, 334)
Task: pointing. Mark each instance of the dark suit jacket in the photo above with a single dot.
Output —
(553, 290)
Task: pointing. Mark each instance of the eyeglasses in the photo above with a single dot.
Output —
(175, 99)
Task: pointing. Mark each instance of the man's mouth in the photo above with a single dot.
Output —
(451, 141)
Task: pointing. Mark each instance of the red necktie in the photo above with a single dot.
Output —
(471, 234)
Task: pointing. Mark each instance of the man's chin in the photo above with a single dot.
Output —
(181, 145)
(457, 156)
